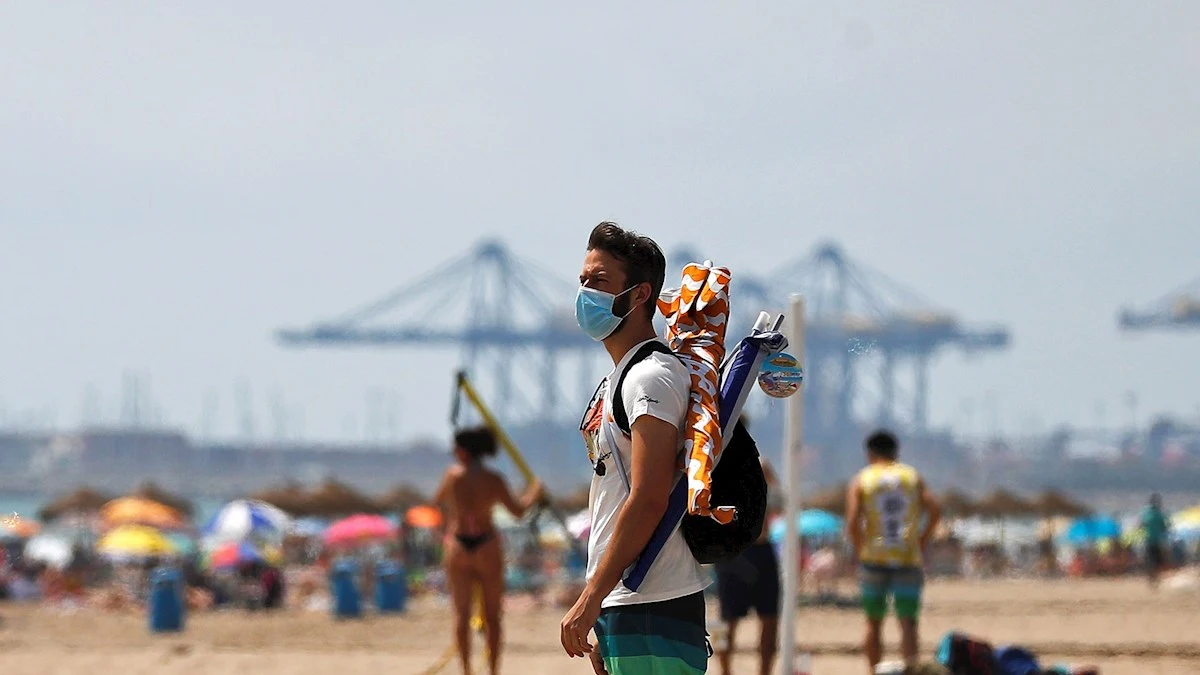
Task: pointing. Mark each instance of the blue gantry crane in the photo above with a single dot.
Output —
(511, 318)
(1177, 310)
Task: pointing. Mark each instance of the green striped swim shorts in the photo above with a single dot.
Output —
(655, 638)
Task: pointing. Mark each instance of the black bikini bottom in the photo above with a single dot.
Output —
(470, 542)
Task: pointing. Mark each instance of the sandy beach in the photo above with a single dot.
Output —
(1119, 625)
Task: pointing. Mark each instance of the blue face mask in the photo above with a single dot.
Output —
(593, 311)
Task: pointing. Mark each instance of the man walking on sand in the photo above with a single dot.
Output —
(886, 502)
(658, 629)
(1157, 526)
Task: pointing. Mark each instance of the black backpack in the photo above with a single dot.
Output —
(737, 480)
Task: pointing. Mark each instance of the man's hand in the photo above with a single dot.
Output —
(597, 663)
(579, 621)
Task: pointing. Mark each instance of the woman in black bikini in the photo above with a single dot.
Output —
(467, 495)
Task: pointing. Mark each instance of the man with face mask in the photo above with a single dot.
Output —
(660, 627)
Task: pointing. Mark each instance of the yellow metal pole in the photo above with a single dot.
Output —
(490, 420)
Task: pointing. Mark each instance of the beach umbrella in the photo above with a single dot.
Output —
(135, 541)
(52, 550)
(184, 544)
(1185, 525)
(140, 511)
(810, 523)
(236, 553)
(359, 528)
(243, 518)
(16, 528)
(83, 500)
(957, 504)
(1083, 531)
(1053, 503)
(423, 516)
(151, 491)
(831, 499)
(290, 498)
(1001, 503)
(337, 499)
(401, 498)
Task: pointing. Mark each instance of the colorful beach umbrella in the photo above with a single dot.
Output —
(184, 544)
(243, 518)
(423, 516)
(360, 528)
(1185, 524)
(1083, 531)
(139, 511)
(237, 553)
(50, 549)
(812, 523)
(16, 528)
(135, 541)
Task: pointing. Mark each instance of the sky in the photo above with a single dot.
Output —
(181, 180)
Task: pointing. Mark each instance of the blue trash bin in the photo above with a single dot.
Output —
(391, 588)
(344, 582)
(166, 604)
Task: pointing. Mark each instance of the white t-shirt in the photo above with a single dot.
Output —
(658, 385)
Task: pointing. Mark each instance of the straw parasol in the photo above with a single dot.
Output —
(336, 499)
(831, 499)
(1003, 503)
(82, 500)
(957, 504)
(290, 498)
(149, 490)
(401, 498)
(1051, 503)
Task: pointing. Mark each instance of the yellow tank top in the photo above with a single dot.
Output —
(891, 507)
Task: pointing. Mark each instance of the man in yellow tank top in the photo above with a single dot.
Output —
(890, 517)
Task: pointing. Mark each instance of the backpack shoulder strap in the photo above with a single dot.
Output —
(619, 415)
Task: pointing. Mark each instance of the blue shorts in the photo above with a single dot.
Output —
(656, 638)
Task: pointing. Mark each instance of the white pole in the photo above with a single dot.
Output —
(793, 441)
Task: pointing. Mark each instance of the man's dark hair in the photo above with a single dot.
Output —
(883, 444)
(478, 442)
(642, 259)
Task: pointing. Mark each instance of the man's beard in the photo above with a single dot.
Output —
(621, 308)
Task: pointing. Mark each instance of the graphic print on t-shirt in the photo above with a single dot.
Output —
(589, 427)
(892, 504)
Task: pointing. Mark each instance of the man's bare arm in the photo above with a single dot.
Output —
(653, 466)
(853, 514)
(933, 513)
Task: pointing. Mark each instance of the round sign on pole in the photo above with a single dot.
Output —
(781, 376)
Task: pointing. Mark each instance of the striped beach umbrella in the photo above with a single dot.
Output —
(246, 518)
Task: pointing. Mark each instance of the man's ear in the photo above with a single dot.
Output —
(643, 294)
